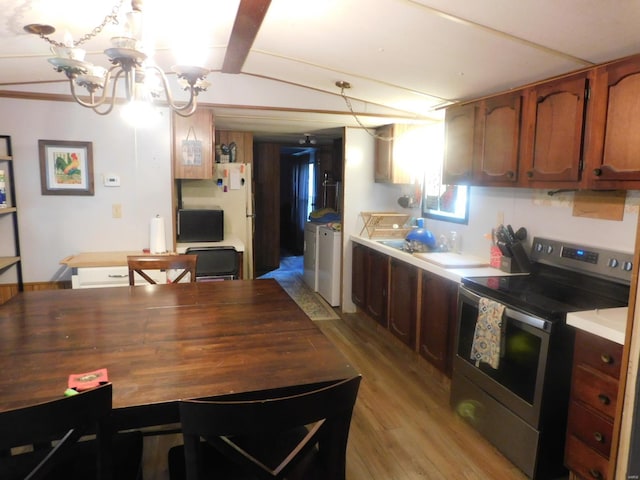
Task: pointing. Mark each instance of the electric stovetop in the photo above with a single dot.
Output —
(564, 278)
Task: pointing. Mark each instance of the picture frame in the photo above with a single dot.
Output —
(66, 167)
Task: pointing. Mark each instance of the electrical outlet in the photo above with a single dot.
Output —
(116, 210)
(500, 218)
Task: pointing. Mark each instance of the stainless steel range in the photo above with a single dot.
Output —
(521, 405)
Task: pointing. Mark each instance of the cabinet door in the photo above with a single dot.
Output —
(614, 131)
(377, 286)
(459, 141)
(499, 121)
(384, 154)
(193, 145)
(359, 275)
(555, 137)
(403, 296)
(437, 320)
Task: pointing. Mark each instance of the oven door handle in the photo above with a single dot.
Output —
(510, 313)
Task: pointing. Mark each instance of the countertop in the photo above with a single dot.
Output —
(453, 274)
(609, 323)
(119, 259)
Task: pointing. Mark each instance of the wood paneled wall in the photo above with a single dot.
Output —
(8, 291)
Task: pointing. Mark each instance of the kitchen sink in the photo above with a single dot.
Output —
(397, 244)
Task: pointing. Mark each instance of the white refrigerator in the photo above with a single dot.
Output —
(230, 189)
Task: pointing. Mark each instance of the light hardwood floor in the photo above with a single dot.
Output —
(402, 427)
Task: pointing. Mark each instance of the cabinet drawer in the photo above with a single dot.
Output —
(97, 277)
(595, 390)
(599, 353)
(590, 428)
(585, 462)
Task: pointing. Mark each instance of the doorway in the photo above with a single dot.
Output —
(288, 183)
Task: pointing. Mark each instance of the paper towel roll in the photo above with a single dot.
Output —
(157, 241)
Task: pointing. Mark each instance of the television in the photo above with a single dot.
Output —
(200, 225)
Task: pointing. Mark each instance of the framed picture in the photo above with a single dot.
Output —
(66, 168)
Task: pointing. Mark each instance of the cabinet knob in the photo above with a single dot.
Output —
(599, 437)
(510, 174)
(605, 400)
(530, 173)
(595, 474)
(606, 358)
(597, 172)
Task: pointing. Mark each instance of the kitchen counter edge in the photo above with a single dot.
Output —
(453, 274)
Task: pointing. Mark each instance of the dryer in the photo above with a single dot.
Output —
(310, 258)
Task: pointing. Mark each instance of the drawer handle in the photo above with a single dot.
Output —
(604, 399)
(606, 358)
(599, 437)
(113, 275)
(595, 474)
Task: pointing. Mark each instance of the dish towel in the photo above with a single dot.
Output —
(487, 338)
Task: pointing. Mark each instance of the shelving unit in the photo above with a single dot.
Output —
(10, 260)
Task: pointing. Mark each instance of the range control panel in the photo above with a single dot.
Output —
(595, 261)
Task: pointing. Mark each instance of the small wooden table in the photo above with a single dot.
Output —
(160, 344)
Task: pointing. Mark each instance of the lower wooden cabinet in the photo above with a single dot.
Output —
(438, 309)
(594, 390)
(403, 301)
(417, 306)
(369, 282)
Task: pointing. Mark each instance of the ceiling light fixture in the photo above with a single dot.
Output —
(143, 80)
(307, 140)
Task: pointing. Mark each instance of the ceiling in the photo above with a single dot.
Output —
(275, 63)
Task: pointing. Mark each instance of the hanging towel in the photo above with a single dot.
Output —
(487, 338)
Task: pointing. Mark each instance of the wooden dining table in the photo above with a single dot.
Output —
(160, 344)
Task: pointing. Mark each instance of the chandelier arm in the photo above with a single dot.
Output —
(114, 90)
(93, 103)
(185, 110)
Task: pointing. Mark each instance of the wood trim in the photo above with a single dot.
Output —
(623, 419)
(10, 290)
(249, 18)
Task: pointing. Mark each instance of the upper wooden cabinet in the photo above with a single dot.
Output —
(554, 126)
(193, 145)
(499, 125)
(398, 154)
(581, 130)
(482, 141)
(460, 144)
(613, 137)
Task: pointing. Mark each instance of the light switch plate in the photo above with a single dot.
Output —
(111, 180)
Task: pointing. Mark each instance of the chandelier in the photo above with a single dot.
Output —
(143, 80)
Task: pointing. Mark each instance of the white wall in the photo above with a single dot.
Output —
(53, 227)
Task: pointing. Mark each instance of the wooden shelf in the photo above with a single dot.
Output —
(5, 158)
(6, 210)
(8, 261)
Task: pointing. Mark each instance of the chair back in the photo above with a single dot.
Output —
(249, 429)
(216, 262)
(185, 264)
(65, 420)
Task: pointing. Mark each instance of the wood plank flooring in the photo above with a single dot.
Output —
(402, 427)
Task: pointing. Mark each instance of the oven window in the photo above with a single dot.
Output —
(518, 368)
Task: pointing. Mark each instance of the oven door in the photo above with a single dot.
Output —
(518, 381)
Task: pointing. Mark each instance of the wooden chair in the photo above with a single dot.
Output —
(295, 433)
(64, 421)
(139, 263)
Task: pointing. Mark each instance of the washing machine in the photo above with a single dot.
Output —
(310, 256)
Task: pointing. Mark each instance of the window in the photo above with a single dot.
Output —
(449, 203)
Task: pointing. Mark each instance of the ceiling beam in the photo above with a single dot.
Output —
(250, 15)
